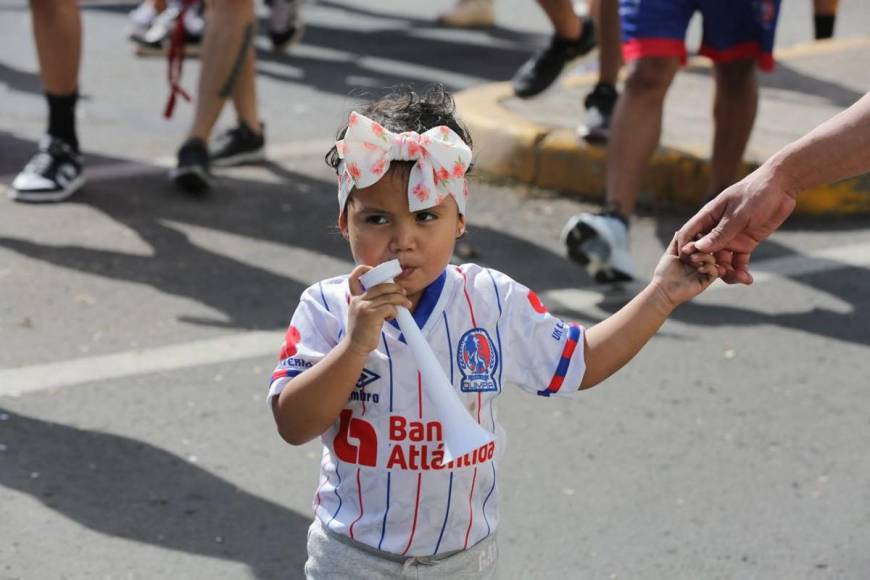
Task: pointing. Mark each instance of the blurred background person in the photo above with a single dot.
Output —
(56, 171)
(227, 72)
(738, 35)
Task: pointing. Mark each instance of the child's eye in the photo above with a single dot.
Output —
(376, 219)
(426, 216)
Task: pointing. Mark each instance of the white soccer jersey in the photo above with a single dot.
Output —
(382, 479)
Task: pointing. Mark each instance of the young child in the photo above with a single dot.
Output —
(386, 500)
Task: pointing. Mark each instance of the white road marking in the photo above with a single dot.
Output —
(28, 379)
(22, 380)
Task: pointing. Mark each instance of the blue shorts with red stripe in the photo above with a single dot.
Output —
(733, 29)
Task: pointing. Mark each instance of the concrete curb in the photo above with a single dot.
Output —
(510, 146)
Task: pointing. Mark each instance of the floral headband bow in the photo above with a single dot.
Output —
(441, 156)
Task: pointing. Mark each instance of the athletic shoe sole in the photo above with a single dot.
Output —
(191, 179)
(575, 235)
(191, 50)
(593, 135)
(45, 196)
(257, 156)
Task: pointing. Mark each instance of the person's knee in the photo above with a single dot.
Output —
(651, 77)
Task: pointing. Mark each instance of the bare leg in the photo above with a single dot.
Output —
(57, 28)
(609, 41)
(563, 18)
(637, 124)
(227, 60)
(245, 92)
(734, 109)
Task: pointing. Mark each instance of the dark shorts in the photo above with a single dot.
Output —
(733, 29)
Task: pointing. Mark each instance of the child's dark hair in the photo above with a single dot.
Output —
(405, 110)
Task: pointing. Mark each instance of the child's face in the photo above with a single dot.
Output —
(379, 227)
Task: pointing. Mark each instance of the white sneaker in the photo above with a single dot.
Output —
(600, 244)
(141, 19)
(469, 14)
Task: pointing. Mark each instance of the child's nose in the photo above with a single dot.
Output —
(403, 237)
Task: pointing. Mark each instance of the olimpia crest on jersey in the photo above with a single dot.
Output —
(477, 359)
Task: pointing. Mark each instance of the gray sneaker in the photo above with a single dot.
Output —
(599, 243)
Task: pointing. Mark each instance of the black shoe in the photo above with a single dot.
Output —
(546, 65)
(192, 173)
(239, 145)
(53, 174)
(285, 26)
(599, 105)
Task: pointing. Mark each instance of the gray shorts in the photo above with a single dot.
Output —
(335, 557)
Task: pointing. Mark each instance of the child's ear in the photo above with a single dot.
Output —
(460, 226)
(342, 224)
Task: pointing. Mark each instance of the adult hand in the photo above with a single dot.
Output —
(732, 224)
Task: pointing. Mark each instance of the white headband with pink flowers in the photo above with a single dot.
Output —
(441, 156)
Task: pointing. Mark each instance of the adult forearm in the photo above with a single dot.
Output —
(610, 344)
(837, 149)
(311, 401)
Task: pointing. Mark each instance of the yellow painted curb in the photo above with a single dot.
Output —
(510, 146)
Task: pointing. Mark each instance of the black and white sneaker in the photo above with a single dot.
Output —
(599, 105)
(599, 243)
(192, 173)
(285, 26)
(545, 66)
(53, 174)
(238, 146)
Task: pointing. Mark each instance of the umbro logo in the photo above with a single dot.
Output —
(366, 377)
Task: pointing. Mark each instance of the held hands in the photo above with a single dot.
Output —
(678, 281)
(369, 309)
(735, 222)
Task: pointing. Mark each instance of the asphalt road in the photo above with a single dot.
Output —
(139, 327)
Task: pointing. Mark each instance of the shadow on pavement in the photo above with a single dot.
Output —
(129, 489)
(787, 78)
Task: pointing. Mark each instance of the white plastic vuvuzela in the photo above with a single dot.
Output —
(461, 432)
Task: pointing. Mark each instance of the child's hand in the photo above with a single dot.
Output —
(680, 281)
(369, 309)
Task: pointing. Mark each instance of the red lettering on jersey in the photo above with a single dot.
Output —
(536, 303)
(366, 453)
(291, 339)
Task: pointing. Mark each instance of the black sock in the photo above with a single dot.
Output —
(824, 24)
(62, 118)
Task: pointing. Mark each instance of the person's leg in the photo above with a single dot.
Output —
(563, 18)
(572, 37)
(609, 41)
(57, 30)
(824, 17)
(734, 108)
(227, 59)
(55, 172)
(227, 56)
(637, 124)
(601, 101)
(244, 92)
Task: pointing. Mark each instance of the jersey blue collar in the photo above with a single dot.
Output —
(428, 300)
